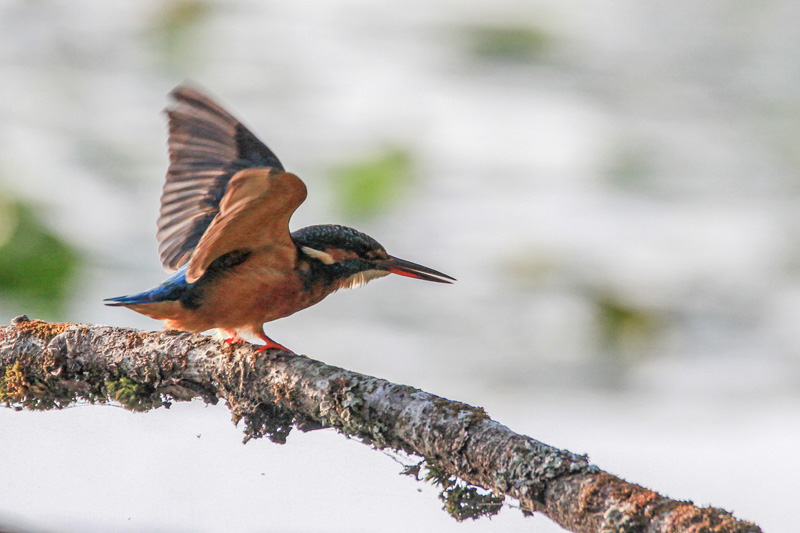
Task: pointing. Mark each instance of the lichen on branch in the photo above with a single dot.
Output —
(476, 461)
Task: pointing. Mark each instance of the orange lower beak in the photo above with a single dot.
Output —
(401, 267)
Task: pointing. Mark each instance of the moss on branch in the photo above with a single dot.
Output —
(475, 461)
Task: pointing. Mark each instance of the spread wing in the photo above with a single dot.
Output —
(207, 147)
(254, 214)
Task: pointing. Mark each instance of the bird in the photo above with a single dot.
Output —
(223, 234)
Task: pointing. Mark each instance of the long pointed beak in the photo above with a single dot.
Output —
(401, 267)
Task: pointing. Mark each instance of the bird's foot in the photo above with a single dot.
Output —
(270, 344)
(233, 338)
(230, 340)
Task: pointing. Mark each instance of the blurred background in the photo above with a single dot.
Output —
(615, 185)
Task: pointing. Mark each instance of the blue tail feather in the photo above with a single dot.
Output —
(173, 288)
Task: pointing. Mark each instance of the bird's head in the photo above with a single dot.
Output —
(347, 258)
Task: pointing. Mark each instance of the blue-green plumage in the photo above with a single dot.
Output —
(311, 271)
(223, 229)
(172, 288)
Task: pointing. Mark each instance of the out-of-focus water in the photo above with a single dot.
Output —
(614, 184)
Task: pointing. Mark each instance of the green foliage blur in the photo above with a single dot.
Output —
(627, 330)
(36, 266)
(366, 187)
(175, 29)
(510, 43)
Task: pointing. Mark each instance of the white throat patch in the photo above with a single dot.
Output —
(357, 280)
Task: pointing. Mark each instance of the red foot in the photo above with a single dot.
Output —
(234, 338)
(270, 344)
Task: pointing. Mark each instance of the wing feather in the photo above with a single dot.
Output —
(254, 215)
(207, 147)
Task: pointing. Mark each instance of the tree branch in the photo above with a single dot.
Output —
(49, 366)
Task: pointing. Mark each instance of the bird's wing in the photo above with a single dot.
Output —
(207, 147)
(253, 214)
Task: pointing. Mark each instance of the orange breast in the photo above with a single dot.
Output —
(260, 290)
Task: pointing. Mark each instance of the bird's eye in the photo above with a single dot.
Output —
(325, 257)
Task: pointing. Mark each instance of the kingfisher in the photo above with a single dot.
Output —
(223, 233)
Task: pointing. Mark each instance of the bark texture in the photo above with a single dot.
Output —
(45, 365)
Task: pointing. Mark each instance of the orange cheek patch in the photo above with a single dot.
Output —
(340, 255)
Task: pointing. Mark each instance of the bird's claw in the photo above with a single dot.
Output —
(270, 344)
(273, 346)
